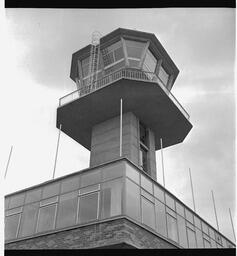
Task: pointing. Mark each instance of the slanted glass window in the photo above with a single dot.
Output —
(204, 228)
(170, 201)
(11, 226)
(159, 193)
(134, 49)
(16, 200)
(91, 178)
(212, 233)
(148, 214)
(146, 184)
(206, 244)
(113, 171)
(160, 218)
(180, 209)
(67, 210)
(191, 238)
(199, 238)
(163, 75)
(33, 196)
(70, 184)
(172, 228)
(29, 219)
(112, 54)
(51, 190)
(46, 218)
(149, 62)
(111, 198)
(182, 231)
(133, 200)
(132, 173)
(88, 207)
(197, 222)
(189, 215)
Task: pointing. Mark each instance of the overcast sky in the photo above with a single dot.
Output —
(38, 47)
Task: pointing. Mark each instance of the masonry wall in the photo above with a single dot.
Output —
(106, 136)
(109, 233)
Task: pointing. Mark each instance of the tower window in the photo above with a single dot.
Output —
(143, 147)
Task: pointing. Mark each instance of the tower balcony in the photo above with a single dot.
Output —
(143, 94)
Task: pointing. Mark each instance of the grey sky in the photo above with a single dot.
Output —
(202, 44)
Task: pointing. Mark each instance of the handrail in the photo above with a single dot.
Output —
(128, 73)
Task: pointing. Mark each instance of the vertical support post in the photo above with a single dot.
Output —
(162, 161)
(121, 128)
(8, 161)
(56, 155)
(215, 210)
(232, 224)
(192, 190)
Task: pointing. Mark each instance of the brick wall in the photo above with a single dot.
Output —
(113, 232)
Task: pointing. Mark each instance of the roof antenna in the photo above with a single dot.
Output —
(56, 155)
(192, 189)
(9, 158)
(215, 211)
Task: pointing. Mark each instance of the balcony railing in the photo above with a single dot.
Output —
(128, 73)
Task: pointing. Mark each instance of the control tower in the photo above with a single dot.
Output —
(122, 110)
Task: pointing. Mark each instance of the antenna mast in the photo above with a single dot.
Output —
(94, 59)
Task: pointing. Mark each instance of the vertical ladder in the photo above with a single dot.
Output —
(94, 60)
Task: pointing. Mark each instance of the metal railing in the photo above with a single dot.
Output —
(128, 73)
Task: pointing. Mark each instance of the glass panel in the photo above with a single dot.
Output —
(113, 171)
(169, 201)
(89, 189)
(112, 53)
(150, 62)
(7, 200)
(146, 184)
(133, 63)
(118, 54)
(33, 196)
(179, 209)
(189, 215)
(85, 66)
(67, 210)
(160, 218)
(206, 244)
(197, 222)
(182, 232)
(171, 212)
(29, 219)
(14, 211)
(17, 200)
(90, 178)
(159, 193)
(172, 228)
(148, 215)
(191, 226)
(132, 200)
(204, 228)
(191, 238)
(163, 75)
(46, 218)
(111, 196)
(212, 233)
(132, 173)
(147, 195)
(70, 184)
(51, 190)
(134, 48)
(49, 201)
(88, 207)
(199, 238)
(11, 226)
(213, 243)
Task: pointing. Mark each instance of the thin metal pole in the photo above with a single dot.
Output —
(162, 161)
(121, 128)
(8, 161)
(215, 210)
(192, 189)
(56, 156)
(232, 224)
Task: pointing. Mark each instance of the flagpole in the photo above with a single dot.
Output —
(56, 155)
(192, 189)
(215, 210)
(121, 128)
(162, 161)
(8, 161)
